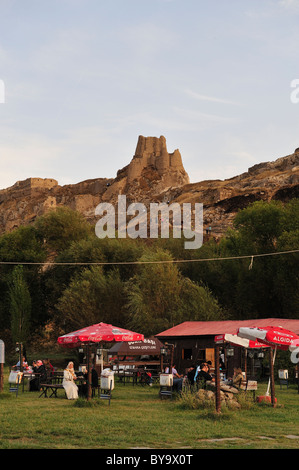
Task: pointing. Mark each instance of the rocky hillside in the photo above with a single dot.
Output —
(154, 175)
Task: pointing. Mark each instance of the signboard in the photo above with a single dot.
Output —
(2, 352)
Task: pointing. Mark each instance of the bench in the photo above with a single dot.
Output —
(53, 384)
(53, 387)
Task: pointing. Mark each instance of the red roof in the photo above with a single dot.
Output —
(205, 328)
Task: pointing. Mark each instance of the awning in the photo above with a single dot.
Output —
(236, 340)
(148, 347)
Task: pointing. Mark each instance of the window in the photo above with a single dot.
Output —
(187, 354)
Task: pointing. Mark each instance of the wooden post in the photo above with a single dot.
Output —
(161, 362)
(272, 384)
(88, 372)
(2, 360)
(21, 357)
(1, 378)
(245, 364)
(217, 379)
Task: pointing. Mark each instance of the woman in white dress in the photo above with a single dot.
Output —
(68, 383)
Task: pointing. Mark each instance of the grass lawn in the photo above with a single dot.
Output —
(138, 418)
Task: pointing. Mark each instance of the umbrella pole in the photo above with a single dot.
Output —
(271, 368)
(217, 380)
(272, 359)
(88, 372)
(102, 361)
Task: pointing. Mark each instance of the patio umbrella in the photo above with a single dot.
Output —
(148, 347)
(98, 333)
(276, 337)
(238, 341)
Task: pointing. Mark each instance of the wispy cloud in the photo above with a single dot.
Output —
(290, 4)
(197, 116)
(213, 99)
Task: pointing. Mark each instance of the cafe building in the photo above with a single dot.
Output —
(193, 342)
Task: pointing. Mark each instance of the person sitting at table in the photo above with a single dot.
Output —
(177, 378)
(191, 373)
(40, 373)
(94, 378)
(48, 366)
(68, 383)
(145, 377)
(197, 370)
(83, 387)
(204, 375)
(18, 364)
(237, 378)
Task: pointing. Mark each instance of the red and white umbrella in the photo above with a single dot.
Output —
(238, 341)
(100, 332)
(274, 336)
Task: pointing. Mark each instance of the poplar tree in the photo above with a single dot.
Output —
(20, 308)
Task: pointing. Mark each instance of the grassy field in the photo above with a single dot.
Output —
(138, 418)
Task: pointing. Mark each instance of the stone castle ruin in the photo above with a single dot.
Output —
(152, 152)
(28, 187)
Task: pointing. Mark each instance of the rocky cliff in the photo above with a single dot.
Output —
(154, 175)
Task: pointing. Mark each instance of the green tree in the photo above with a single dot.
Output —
(159, 297)
(198, 303)
(20, 306)
(153, 294)
(286, 279)
(270, 288)
(92, 297)
(22, 245)
(56, 279)
(60, 227)
(260, 225)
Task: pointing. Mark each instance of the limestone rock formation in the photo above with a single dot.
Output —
(154, 175)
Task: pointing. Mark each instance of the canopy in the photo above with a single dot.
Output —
(274, 336)
(236, 340)
(147, 347)
(98, 333)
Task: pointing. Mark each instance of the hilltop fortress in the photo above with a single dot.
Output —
(152, 152)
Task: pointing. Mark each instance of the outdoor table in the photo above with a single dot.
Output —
(125, 375)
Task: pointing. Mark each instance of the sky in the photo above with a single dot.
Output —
(80, 80)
